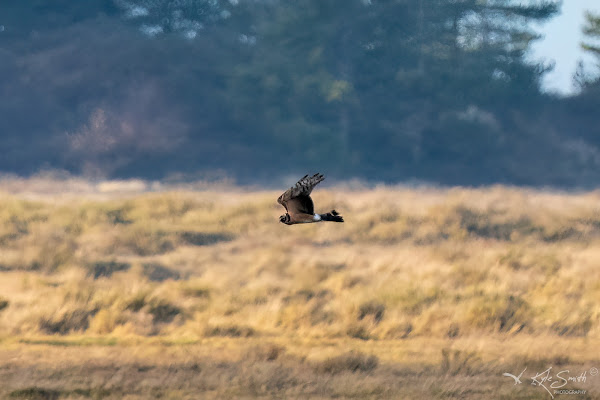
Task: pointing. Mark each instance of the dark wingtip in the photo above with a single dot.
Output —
(301, 179)
(336, 216)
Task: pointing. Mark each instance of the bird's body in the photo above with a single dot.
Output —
(299, 206)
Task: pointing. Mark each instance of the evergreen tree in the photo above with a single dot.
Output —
(592, 30)
(386, 89)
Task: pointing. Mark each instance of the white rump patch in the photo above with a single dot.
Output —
(316, 217)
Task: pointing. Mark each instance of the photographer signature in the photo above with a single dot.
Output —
(546, 380)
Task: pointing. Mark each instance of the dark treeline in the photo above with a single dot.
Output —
(387, 90)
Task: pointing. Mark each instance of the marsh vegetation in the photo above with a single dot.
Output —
(111, 293)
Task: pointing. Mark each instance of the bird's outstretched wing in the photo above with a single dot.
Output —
(297, 198)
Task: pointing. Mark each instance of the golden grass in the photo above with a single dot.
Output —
(426, 292)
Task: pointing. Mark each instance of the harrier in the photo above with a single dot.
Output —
(299, 205)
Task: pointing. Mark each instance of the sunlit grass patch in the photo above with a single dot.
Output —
(498, 313)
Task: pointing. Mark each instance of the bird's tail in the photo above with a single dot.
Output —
(332, 216)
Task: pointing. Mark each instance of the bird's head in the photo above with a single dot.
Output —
(285, 219)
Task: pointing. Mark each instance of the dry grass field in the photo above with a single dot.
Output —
(133, 290)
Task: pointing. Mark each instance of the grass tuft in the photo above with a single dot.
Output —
(72, 321)
(371, 309)
(229, 331)
(35, 393)
(349, 362)
(3, 303)
(105, 269)
(159, 273)
(163, 311)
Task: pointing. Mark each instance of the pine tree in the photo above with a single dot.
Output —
(592, 30)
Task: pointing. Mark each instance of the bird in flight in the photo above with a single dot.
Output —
(299, 206)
